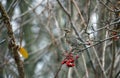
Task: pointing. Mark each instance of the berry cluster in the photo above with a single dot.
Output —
(115, 37)
(69, 60)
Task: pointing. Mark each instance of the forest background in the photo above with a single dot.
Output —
(54, 32)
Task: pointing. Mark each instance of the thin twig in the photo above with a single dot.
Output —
(98, 60)
(77, 73)
(1, 42)
(82, 50)
(28, 11)
(70, 73)
(113, 58)
(105, 27)
(79, 12)
(56, 75)
(85, 66)
(118, 74)
(104, 49)
(106, 6)
(11, 7)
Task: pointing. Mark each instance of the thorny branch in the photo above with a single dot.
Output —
(12, 43)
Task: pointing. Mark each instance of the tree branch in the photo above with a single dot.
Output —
(76, 32)
(12, 43)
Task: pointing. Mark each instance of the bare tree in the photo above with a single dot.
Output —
(64, 38)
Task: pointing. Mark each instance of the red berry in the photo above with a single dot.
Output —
(70, 64)
(114, 33)
(73, 64)
(71, 60)
(116, 38)
(63, 62)
(77, 56)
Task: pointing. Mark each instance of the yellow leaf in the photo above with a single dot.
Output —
(23, 52)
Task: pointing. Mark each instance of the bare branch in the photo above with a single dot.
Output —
(76, 32)
(12, 43)
(79, 12)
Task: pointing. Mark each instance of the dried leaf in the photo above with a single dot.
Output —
(23, 52)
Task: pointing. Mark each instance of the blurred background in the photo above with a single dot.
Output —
(47, 32)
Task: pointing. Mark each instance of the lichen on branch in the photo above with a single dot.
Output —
(12, 44)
